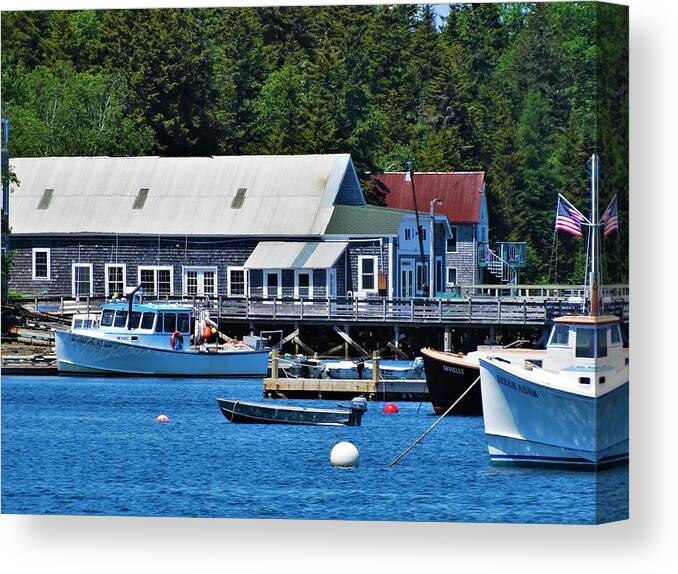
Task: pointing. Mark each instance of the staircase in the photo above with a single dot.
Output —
(500, 268)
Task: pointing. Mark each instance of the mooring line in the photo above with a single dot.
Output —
(416, 442)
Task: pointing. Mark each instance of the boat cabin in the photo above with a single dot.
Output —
(592, 344)
(148, 324)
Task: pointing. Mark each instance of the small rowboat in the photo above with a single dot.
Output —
(262, 413)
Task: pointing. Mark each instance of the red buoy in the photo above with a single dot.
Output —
(162, 419)
(390, 408)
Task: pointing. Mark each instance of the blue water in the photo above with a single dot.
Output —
(92, 446)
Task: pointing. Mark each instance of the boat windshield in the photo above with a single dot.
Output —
(120, 318)
(560, 336)
(147, 320)
(134, 319)
(107, 317)
(591, 343)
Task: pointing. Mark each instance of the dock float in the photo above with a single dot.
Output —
(395, 390)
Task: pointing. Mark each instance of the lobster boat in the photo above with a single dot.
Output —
(159, 339)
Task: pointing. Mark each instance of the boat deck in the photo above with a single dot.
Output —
(398, 390)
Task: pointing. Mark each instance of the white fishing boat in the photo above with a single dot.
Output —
(136, 338)
(573, 409)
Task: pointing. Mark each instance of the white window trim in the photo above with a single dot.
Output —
(107, 268)
(91, 279)
(228, 281)
(308, 272)
(156, 268)
(375, 258)
(184, 282)
(447, 277)
(455, 233)
(277, 272)
(49, 263)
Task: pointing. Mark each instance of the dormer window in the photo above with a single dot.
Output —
(239, 198)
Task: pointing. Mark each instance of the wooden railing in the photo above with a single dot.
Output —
(473, 305)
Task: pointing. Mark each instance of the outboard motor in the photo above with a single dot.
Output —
(358, 409)
(418, 365)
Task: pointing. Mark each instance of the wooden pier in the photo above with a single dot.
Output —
(345, 389)
(468, 306)
(374, 389)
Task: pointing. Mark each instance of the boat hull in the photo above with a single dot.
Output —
(447, 378)
(256, 413)
(527, 423)
(79, 354)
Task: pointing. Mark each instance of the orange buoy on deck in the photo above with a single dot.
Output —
(390, 408)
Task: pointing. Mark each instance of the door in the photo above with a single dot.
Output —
(407, 279)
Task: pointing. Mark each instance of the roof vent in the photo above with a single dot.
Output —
(140, 198)
(238, 198)
(46, 199)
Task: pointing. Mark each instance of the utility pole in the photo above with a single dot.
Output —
(409, 166)
(431, 251)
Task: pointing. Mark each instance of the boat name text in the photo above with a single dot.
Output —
(505, 381)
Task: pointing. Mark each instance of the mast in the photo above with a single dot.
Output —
(594, 271)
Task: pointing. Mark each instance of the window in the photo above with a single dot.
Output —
(156, 280)
(200, 281)
(591, 343)
(439, 275)
(120, 319)
(367, 273)
(134, 319)
(452, 241)
(601, 380)
(272, 284)
(601, 342)
(46, 199)
(584, 380)
(107, 317)
(183, 323)
(147, 320)
(560, 335)
(303, 284)
(585, 343)
(408, 234)
(140, 199)
(41, 263)
(82, 284)
(169, 322)
(423, 234)
(239, 198)
(615, 335)
(237, 281)
(422, 276)
(115, 279)
(451, 277)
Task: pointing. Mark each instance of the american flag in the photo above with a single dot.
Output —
(610, 219)
(568, 217)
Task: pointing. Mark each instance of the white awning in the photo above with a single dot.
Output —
(295, 255)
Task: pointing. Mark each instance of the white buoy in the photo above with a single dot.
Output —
(344, 454)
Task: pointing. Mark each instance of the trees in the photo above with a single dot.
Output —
(525, 92)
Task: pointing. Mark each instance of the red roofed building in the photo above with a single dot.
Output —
(465, 206)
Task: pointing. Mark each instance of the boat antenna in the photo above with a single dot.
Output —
(409, 166)
(594, 274)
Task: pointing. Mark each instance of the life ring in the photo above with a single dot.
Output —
(177, 340)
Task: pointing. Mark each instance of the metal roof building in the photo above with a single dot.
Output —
(199, 196)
